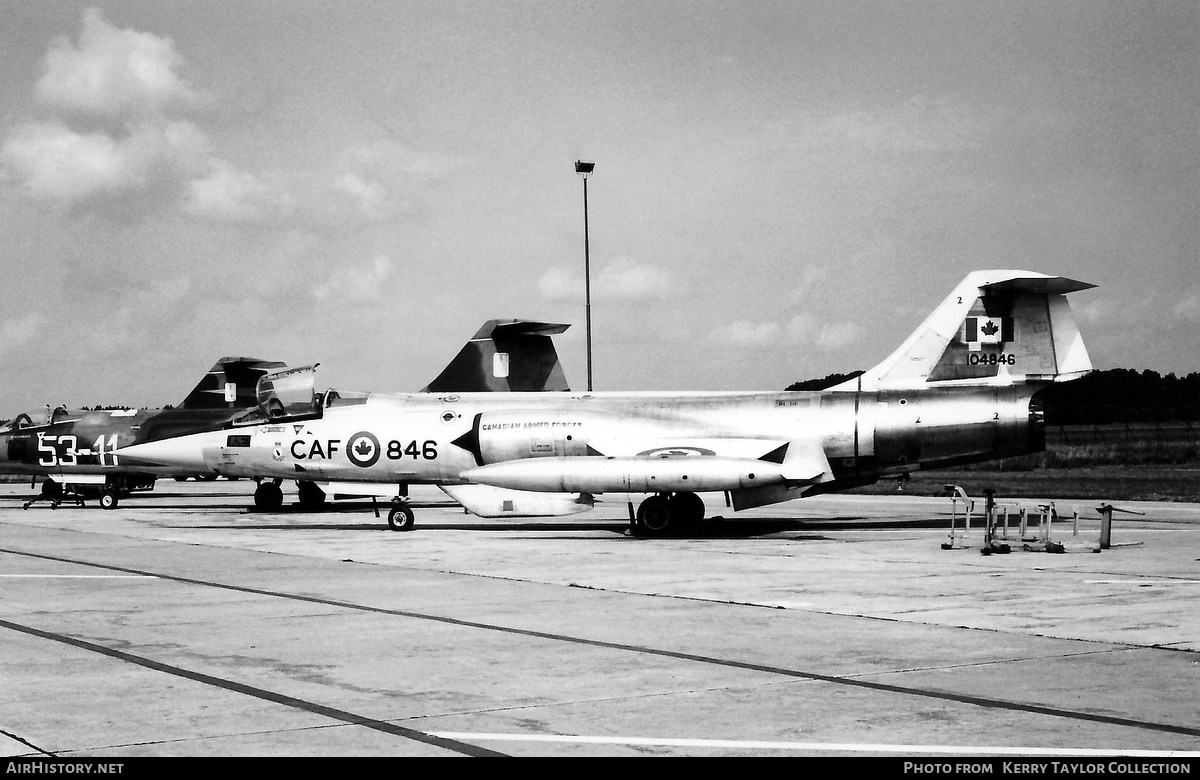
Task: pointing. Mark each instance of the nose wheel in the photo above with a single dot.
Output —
(401, 518)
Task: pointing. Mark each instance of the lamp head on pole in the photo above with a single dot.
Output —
(584, 168)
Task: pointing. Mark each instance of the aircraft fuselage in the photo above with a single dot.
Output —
(627, 440)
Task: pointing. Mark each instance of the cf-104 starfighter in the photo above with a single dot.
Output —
(74, 451)
(961, 389)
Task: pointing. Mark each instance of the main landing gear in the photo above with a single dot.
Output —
(312, 497)
(268, 496)
(56, 493)
(108, 499)
(665, 513)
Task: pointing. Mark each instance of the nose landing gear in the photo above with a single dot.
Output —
(268, 496)
(401, 517)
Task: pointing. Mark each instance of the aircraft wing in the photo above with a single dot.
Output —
(685, 447)
(681, 466)
(802, 460)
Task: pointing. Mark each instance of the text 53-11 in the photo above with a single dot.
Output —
(64, 450)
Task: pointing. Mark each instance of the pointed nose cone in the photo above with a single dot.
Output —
(179, 452)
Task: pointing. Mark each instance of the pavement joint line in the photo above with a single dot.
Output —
(969, 750)
(81, 576)
(332, 713)
(980, 701)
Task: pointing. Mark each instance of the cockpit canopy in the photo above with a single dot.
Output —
(288, 393)
(36, 419)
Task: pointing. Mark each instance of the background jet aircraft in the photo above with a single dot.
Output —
(960, 389)
(75, 450)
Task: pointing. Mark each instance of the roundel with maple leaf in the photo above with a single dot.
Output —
(363, 449)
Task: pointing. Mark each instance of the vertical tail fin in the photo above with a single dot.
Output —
(506, 355)
(996, 328)
(230, 384)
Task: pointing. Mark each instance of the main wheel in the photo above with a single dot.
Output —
(401, 518)
(654, 516)
(686, 508)
(268, 496)
(108, 499)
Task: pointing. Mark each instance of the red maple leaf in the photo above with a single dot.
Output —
(990, 329)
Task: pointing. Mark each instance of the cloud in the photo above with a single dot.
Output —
(837, 335)
(147, 308)
(621, 279)
(558, 284)
(227, 194)
(802, 329)
(1188, 307)
(391, 159)
(826, 336)
(365, 282)
(57, 163)
(920, 124)
(114, 73)
(811, 279)
(370, 196)
(627, 280)
(116, 139)
(744, 333)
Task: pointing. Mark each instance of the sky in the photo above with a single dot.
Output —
(783, 189)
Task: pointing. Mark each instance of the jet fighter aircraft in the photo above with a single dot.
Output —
(75, 450)
(504, 356)
(961, 389)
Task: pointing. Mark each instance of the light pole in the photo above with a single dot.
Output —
(584, 169)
